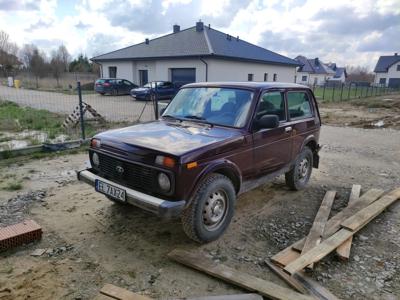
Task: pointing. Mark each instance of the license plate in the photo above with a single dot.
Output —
(110, 190)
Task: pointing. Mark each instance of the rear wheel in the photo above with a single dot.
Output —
(211, 209)
(102, 94)
(298, 177)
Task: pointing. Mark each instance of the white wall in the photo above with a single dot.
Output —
(391, 73)
(312, 78)
(218, 70)
(124, 69)
(224, 70)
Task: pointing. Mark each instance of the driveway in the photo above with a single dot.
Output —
(113, 108)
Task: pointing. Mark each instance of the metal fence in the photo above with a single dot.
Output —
(348, 91)
(35, 116)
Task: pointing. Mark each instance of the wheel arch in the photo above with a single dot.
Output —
(311, 142)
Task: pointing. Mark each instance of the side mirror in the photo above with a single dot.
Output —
(268, 121)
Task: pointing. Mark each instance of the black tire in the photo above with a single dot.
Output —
(207, 202)
(102, 94)
(114, 93)
(298, 177)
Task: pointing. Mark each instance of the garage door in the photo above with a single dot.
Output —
(394, 82)
(181, 76)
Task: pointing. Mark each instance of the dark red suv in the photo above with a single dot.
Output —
(213, 142)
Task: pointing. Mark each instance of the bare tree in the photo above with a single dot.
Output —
(8, 54)
(359, 73)
(35, 61)
(59, 62)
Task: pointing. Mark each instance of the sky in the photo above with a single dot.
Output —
(347, 32)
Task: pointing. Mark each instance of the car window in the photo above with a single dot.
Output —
(221, 106)
(126, 82)
(272, 103)
(299, 105)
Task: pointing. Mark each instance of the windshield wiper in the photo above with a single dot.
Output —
(171, 117)
(194, 117)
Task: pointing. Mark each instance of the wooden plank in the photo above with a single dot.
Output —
(319, 252)
(285, 256)
(317, 229)
(243, 280)
(303, 283)
(102, 297)
(287, 278)
(351, 226)
(333, 224)
(343, 251)
(317, 290)
(120, 293)
(365, 215)
(227, 297)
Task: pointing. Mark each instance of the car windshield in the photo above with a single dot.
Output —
(215, 105)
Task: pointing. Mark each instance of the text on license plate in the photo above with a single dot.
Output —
(110, 190)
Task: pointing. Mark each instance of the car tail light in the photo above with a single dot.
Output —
(106, 84)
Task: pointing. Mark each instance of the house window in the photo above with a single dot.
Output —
(382, 81)
(303, 78)
(398, 67)
(112, 72)
(275, 77)
(143, 77)
(250, 77)
(265, 76)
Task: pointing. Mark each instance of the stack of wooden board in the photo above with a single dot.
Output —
(327, 236)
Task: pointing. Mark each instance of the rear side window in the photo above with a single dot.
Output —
(299, 105)
(272, 103)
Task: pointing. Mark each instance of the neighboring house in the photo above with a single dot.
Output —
(313, 71)
(196, 54)
(340, 73)
(387, 71)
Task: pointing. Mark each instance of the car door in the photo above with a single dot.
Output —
(302, 120)
(272, 147)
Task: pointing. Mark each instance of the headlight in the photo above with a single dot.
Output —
(164, 182)
(95, 159)
(95, 143)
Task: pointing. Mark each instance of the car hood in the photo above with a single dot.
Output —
(167, 137)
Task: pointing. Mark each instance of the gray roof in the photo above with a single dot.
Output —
(385, 62)
(313, 65)
(339, 72)
(191, 43)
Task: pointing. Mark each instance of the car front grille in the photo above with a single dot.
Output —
(133, 175)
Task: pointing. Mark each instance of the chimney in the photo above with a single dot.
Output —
(147, 41)
(228, 37)
(237, 39)
(199, 26)
(176, 28)
(395, 54)
(316, 61)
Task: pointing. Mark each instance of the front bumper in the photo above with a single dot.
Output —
(158, 206)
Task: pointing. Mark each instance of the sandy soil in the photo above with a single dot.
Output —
(92, 241)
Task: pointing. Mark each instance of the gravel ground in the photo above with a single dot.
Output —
(91, 241)
(113, 108)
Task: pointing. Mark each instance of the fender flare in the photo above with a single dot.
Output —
(310, 138)
(223, 164)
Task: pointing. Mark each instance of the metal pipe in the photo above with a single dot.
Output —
(204, 62)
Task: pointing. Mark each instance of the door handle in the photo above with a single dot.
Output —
(288, 129)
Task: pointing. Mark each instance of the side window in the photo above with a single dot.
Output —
(299, 105)
(272, 103)
(127, 82)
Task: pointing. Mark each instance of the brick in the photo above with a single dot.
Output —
(19, 234)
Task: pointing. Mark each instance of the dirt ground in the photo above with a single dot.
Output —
(374, 112)
(92, 241)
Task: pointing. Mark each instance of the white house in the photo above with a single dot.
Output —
(198, 53)
(387, 71)
(315, 72)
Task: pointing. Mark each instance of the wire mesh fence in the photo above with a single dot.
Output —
(30, 116)
(348, 91)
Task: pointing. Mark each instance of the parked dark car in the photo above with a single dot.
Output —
(113, 86)
(213, 142)
(164, 90)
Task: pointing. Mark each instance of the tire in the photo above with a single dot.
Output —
(102, 94)
(200, 221)
(298, 177)
(114, 93)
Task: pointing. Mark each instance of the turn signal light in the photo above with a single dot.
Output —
(165, 161)
(95, 143)
(191, 165)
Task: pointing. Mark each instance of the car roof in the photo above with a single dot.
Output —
(112, 79)
(247, 84)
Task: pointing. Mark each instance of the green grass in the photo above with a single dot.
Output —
(13, 186)
(16, 118)
(336, 94)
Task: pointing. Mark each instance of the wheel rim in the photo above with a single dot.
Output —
(214, 210)
(303, 168)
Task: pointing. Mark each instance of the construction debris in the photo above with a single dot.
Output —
(74, 117)
(19, 234)
(38, 252)
(112, 292)
(349, 225)
(244, 280)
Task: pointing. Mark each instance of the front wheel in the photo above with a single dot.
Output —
(211, 209)
(298, 177)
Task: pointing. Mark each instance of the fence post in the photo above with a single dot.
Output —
(355, 94)
(155, 101)
(333, 92)
(341, 93)
(81, 110)
(348, 94)
(323, 92)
